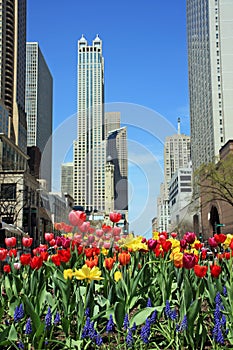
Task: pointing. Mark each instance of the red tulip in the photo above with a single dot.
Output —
(36, 262)
(27, 241)
(56, 259)
(200, 271)
(215, 270)
(7, 268)
(174, 234)
(99, 233)
(76, 218)
(12, 252)
(25, 259)
(108, 263)
(115, 217)
(3, 254)
(166, 245)
(10, 242)
(220, 238)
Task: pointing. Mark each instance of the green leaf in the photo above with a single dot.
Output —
(119, 314)
(141, 316)
(12, 333)
(30, 311)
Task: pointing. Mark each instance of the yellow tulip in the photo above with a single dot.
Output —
(86, 273)
(68, 273)
(117, 276)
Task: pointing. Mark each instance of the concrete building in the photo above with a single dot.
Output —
(210, 62)
(112, 121)
(67, 178)
(176, 155)
(12, 68)
(117, 154)
(3, 120)
(90, 147)
(39, 106)
(180, 197)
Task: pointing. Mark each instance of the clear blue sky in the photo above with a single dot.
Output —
(144, 46)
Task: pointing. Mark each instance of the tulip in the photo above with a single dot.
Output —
(3, 254)
(91, 239)
(99, 233)
(151, 243)
(190, 237)
(115, 217)
(84, 227)
(12, 252)
(183, 243)
(106, 228)
(124, 258)
(17, 266)
(27, 241)
(178, 260)
(220, 238)
(212, 242)
(200, 271)
(10, 242)
(215, 270)
(76, 217)
(189, 260)
(116, 231)
(117, 276)
(106, 245)
(108, 263)
(7, 268)
(25, 259)
(48, 236)
(52, 242)
(36, 262)
(174, 234)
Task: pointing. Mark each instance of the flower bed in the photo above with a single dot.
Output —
(97, 289)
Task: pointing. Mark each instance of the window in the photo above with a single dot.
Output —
(8, 191)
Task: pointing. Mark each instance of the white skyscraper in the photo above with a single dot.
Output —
(210, 57)
(90, 147)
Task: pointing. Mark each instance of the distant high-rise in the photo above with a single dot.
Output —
(210, 60)
(12, 68)
(67, 178)
(38, 104)
(117, 155)
(111, 122)
(177, 155)
(90, 147)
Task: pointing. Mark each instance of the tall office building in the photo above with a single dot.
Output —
(12, 68)
(210, 61)
(112, 121)
(38, 104)
(90, 147)
(67, 178)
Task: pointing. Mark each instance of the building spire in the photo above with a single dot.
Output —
(178, 126)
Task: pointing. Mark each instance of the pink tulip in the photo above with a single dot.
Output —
(212, 242)
(76, 218)
(106, 245)
(48, 236)
(27, 241)
(116, 231)
(84, 227)
(189, 261)
(190, 237)
(91, 239)
(151, 243)
(99, 233)
(17, 266)
(10, 242)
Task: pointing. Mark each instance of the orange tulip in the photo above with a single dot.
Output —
(124, 258)
(108, 263)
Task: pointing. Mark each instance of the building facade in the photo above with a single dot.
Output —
(67, 170)
(90, 147)
(210, 64)
(39, 106)
(12, 68)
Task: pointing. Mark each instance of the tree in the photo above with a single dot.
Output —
(215, 180)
